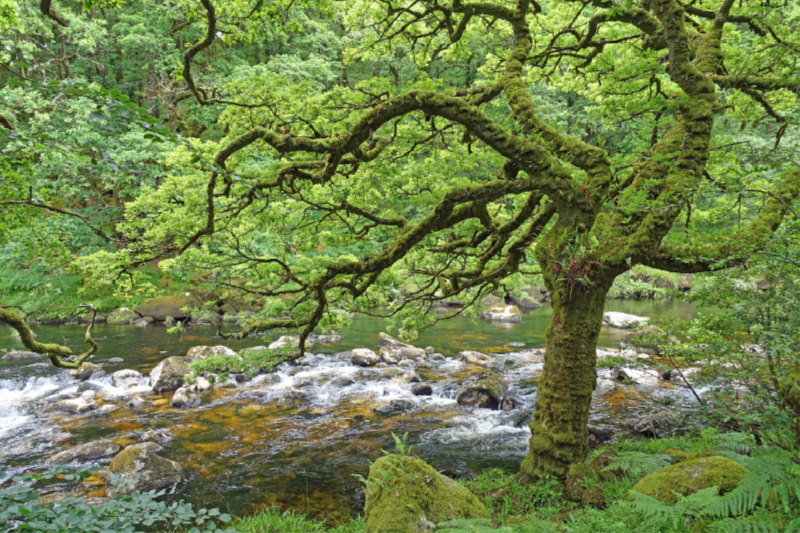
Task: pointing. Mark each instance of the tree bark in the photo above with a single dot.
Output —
(560, 435)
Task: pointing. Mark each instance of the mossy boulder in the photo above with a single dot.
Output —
(482, 389)
(137, 467)
(692, 476)
(169, 306)
(122, 317)
(168, 374)
(407, 495)
(677, 454)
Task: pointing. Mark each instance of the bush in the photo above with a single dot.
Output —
(23, 509)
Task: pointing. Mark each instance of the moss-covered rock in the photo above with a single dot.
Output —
(169, 306)
(691, 476)
(169, 373)
(407, 495)
(86, 370)
(122, 317)
(137, 467)
(482, 389)
(677, 454)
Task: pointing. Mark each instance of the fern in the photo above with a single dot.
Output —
(773, 478)
(644, 463)
(686, 508)
(481, 525)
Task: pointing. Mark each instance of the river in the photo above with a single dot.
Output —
(241, 449)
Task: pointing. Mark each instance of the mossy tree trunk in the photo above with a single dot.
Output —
(559, 428)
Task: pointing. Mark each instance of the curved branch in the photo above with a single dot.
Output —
(45, 6)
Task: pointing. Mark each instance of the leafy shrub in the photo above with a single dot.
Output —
(22, 509)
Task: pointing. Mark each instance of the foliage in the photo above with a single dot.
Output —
(22, 508)
(272, 520)
(250, 362)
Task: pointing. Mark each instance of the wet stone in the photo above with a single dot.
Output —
(77, 405)
(160, 436)
(303, 382)
(343, 381)
(85, 452)
(411, 377)
(115, 361)
(515, 344)
(137, 402)
(421, 389)
(90, 385)
(599, 435)
(86, 370)
(18, 355)
(296, 394)
(453, 469)
(401, 405)
(126, 378)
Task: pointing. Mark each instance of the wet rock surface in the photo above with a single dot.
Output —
(85, 452)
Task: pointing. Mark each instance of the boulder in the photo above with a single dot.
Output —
(126, 378)
(623, 320)
(365, 357)
(159, 436)
(86, 370)
(406, 495)
(343, 381)
(599, 435)
(137, 467)
(202, 352)
(115, 361)
(502, 313)
(143, 322)
(85, 452)
(122, 317)
(407, 363)
(77, 406)
(169, 306)
(477, 358)
(288, 340)
(393, 355)
(18, 355)
(201, 384)
(233, 305)
(384, 339)
(421, 389)
(401, 405)
(411, 377)
(182, 398)
(524, 302)
(656, 424)
(137, 402)
(91, 385)
(168, 374)
(492, 300)
(515, 344)
(328, 338)
(87, 319)
(482, 389)
(692, 476)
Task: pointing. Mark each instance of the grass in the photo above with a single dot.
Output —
(274, 521)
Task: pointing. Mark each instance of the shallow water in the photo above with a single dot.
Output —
(240, 449)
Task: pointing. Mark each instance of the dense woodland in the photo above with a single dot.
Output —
(316, 158)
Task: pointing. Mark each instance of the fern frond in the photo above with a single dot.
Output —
(643, 463)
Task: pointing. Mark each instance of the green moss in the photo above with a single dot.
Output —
(677, 454)
(691, 476)
(124, 461)
(405, 495)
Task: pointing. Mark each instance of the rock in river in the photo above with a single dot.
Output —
(86, 370)
(201, 352)
(17, 355)
(365, 357)
(656, 424)
(399, 502)
(80, 405)
(421, 389)
(622, 320)
(122, 317)
(169, 306)
(168, 375)
(85, 452)
(477, 358)
(482, 389)
(137, 467)
(126, 378)
(502, 313)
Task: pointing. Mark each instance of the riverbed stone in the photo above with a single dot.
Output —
(648, 339)
(202, 352)
(524, 302)
(393, 355)
(288, 340)
(692, 476)
(384, 339)
(365, 357)
(86, 370)
(115, 361)
(85, 452)
(421, 389)
(19, 355)
(126, 378)
(656, 424)
(477, 358)
(326, 338)
(407, 363)
(453, 469)
(91, 385)
(122, 317)
(137, 402)
(78, 405)
(502, 313)
(411, 377)
(623, 320)
(168, 374)
(169, 306)
(182, 398)
(482, 389)
(161, 437)
(599, 434)
(296, 394)
(343, 381)
(397, 501)
(401, 405)
(138, 468)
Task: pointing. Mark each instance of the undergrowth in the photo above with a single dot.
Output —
(250, 363)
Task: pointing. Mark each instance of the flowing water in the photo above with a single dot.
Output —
(243, 448)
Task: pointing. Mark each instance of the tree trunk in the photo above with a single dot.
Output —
(560, 435)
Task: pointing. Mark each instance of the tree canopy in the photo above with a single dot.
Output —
(321, 156)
